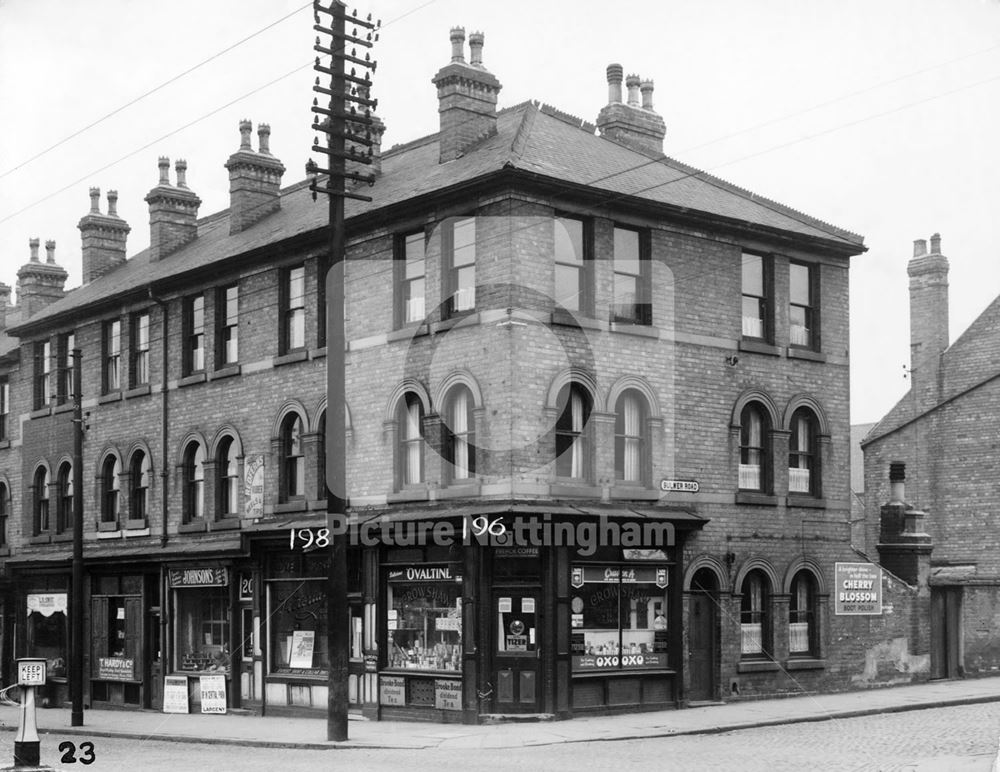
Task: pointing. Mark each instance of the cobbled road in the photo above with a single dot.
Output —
(958, 739)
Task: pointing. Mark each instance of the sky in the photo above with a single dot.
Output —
(879, 116)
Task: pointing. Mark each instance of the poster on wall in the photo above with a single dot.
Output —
(858, 588)
(253, 485)
(175, 694)
(213, 694)
(115, 669)
(303, 643)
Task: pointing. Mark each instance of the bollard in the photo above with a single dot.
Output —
(27, 750)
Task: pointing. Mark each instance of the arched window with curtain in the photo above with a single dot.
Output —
(631, 438)
(111, 472)
(41, 493)
(754, 618)
(410, 423)
(754, 472)
(803, 476)
(460, 434)
(64, 484)
(803, 634)
(293, 470)
(194, 482)
(139, 482)
(572, 441)
(229, 478)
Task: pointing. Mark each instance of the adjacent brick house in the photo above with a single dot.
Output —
(944, 431)
(554, 331)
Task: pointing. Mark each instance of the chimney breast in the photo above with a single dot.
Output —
(39, 284)
(103, 237)
(173, 212)
(928, 274)
(633, 123)
(4, 304)
(254, 179)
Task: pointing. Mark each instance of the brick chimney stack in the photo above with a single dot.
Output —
(928, 272)
(633, 123)
(904, 548)
(38, 283)
(254, 179)
(4, 304)
(467, 97)
(103, 236)
(173, 211)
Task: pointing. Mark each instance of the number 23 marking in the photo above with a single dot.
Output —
(68, 751)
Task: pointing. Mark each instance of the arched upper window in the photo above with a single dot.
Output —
(803, 467)
(227, 466)
(293, 470)
(631, 438)
(41, 492)
(64, 509)
(139, 470)
(572, 440)
(803, 633)
(755, 452)
(321, 456)
(460, 434)
(111, 472)
(194, 482)
(4, 510)
(755, 620)
(410, 428)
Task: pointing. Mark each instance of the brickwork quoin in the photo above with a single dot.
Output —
(514, 347)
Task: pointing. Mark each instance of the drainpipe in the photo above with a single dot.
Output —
(164, 419)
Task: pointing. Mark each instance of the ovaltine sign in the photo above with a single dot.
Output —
(858, 588)
(423, 574)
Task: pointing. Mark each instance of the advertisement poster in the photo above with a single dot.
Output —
(213, 694)
(253, 485)
(303, 642)
(115, 669)
(392, 691)
(858, 589)
(448, 695)
(175, 694)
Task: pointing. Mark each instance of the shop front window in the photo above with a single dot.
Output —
(424, 610)
(47, 630)
(297, 614)
(619, 617)
(202, 629)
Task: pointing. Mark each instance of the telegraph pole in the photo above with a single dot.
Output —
(76, 593)
(343, 124)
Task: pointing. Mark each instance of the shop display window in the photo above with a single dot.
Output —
(619, 617)
(297, 614)
(424, 619)
(47, 635)
(202, 632)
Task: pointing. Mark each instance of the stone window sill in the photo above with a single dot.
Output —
(569, 319)
(106, 526)
(574, 490)
(460, 490)
(41, 412)
(808, 502)
(804, 353)
(195, 526)
(63, 537)
(408, 494)
(805, 663)
(136, 525)
(226, 524)
(132, 531)
(298, 505)
(65, 407)
(633, 493)
(756, 666)
(760, 499)
(138, 391)
(4, 444)
(111, 396)
(640, 330)
(226, 372)
(191, 380)
(42, 538)
(408, 331)
(291, 357)
(318, 353)
(759, 347)
(462, 319)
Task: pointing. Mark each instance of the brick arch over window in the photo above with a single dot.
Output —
(226, 431)
(634, 383)
(319, 417)
(109, 510)
(572, 375)
(758, 396)
(406, 385)
(711, 563)
(459, 378)
(759, 564)
(182, 446)
(804, 564)
(42, 504)
(290, 406)
(809, 402)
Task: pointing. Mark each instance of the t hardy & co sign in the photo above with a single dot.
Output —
(858, 588)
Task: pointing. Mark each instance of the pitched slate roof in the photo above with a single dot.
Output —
(529, 138)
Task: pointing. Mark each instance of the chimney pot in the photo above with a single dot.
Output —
(476, 49)
(112, 203)
(458, 44)
(646, 87)
(897, 476)
(264, 138)
(50, 252)
(181, 168)
(632, 82)
(936, 244)
(164, 164)
(919, 247)
(95, 196)
(246, 129)
(615, 75)
(33, 246)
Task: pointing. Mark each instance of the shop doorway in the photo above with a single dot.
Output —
(702, 621)
(946, 621)
(517, 650)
